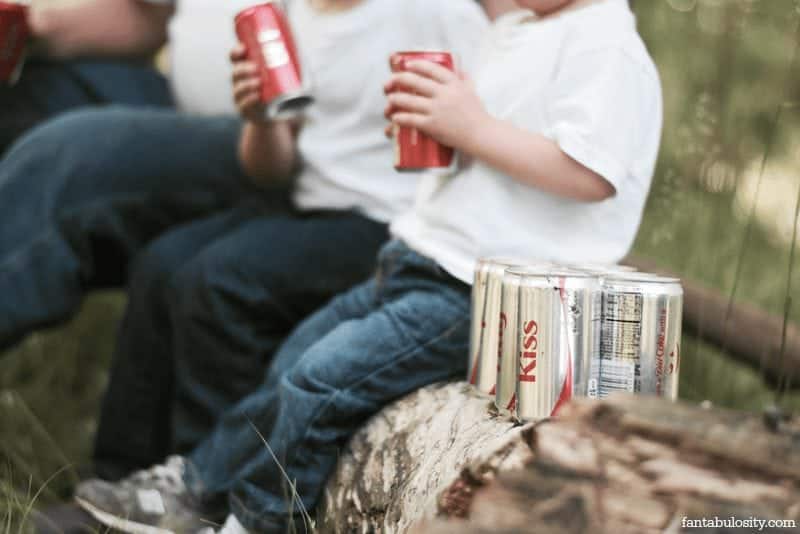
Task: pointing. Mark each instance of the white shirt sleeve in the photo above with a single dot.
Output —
(601, 106)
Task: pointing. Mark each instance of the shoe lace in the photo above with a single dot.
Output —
(167, 476)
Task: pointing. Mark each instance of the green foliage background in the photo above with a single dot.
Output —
(731, 91)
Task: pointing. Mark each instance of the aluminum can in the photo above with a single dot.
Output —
(557, 320)
(485, 328)
(602, 271)
(266, 34)
(14, 33)
(485, 368)
(507, 357)
(604, 268)
(415, 151)
(508, 335)
(641, 335)
(477, 323)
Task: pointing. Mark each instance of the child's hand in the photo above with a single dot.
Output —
(443, 105)
(246, 85)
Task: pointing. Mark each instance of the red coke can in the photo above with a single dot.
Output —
(266, 34)
(415, 151)
(14, 32)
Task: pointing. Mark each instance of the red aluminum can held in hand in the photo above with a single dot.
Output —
(415, 151)
(14, 33)
(266, 34)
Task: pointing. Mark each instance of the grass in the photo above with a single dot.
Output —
(50, 388)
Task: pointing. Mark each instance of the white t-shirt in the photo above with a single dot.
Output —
(201, 35)
(347, 160)
(583, 79)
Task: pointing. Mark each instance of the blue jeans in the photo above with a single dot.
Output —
(48, 88)
(403, 329)
(82, 194)
(214, 299)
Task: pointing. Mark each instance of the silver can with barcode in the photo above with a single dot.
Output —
(486, 367)
(640, 335)
(557, 319)
(601, 271)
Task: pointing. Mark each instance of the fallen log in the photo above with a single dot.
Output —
(396, 466)
(742, 330)
(438, 461)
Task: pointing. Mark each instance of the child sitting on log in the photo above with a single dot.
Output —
(558, 135)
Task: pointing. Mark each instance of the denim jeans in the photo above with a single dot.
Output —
(48, 88)
(82, 194)
(214, 299)
(403, 329)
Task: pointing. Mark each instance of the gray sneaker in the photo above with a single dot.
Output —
(152, 501)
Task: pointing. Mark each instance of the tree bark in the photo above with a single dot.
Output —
(439, 461)
(396, 466)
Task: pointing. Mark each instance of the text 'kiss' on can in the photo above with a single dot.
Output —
(556, 333)
(485, 328)
(415, 151)
(508, 336)
(640, 335)
(266, 34)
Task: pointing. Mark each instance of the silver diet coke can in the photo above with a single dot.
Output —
(556, 328)
(507, 359)
(485, 371)
(508, 336)
(601, 271)
(477, 325)
(641, 335)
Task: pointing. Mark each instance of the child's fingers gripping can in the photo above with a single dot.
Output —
(640, 335)
(415, 151)
(556, 329)
(266, 34)
(14, 33)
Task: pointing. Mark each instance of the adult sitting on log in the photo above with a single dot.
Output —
(85, 191)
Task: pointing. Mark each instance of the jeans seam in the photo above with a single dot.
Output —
(336, 394)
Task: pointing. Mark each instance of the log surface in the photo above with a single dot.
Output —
(639, 465)
(439, 461)
(398, 464)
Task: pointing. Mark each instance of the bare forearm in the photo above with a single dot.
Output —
(537, 161)
(118, 28)
(267, 151)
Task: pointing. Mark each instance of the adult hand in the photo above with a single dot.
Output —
(246, 86)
